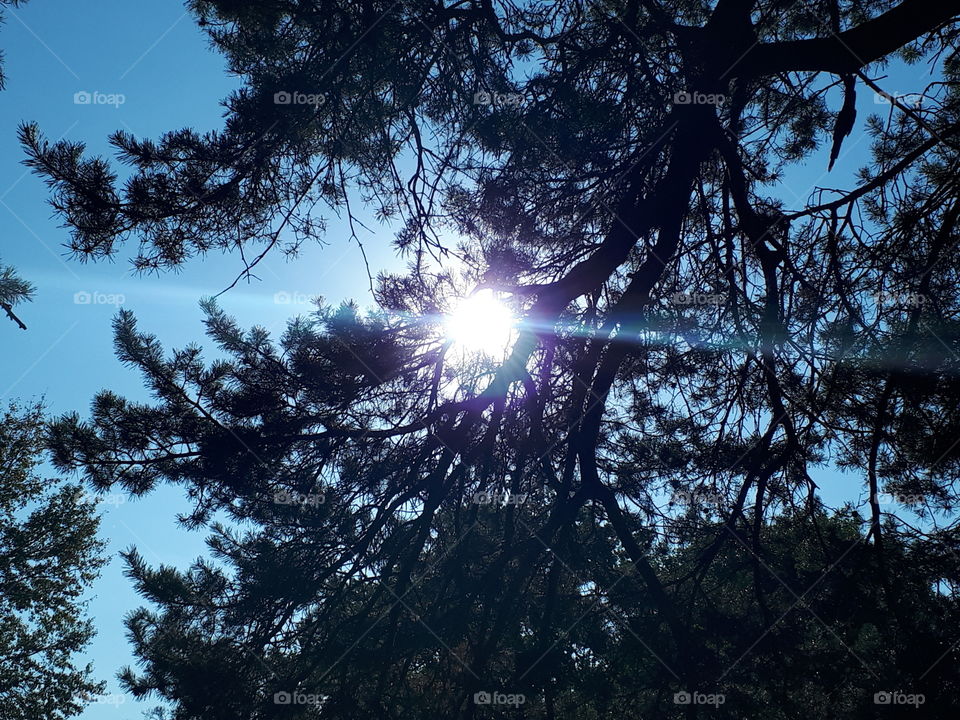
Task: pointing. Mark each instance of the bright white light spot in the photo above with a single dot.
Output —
(481, 323)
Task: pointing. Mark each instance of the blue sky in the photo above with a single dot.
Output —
(152, 55)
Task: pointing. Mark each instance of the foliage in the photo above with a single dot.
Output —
(600, 164)
(13, 290)
(49, 555)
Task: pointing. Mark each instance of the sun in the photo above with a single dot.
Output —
(481, 323)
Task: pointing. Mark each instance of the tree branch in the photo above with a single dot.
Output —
(850, 50)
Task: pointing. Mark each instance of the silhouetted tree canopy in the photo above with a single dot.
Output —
(49, 555)
(13, 288)
(692, 348)
(5, 4)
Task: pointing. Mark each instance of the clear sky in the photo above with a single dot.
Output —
(153, 55)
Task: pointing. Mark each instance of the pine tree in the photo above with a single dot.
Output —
(13, 288)
(690, 351)
(49, 555)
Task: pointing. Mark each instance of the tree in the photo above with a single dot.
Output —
(615, 170)
(13, 288)
(49, 555)
(5, 4)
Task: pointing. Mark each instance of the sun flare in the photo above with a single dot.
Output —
(481, 323)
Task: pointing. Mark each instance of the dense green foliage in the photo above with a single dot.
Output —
(49, 555)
